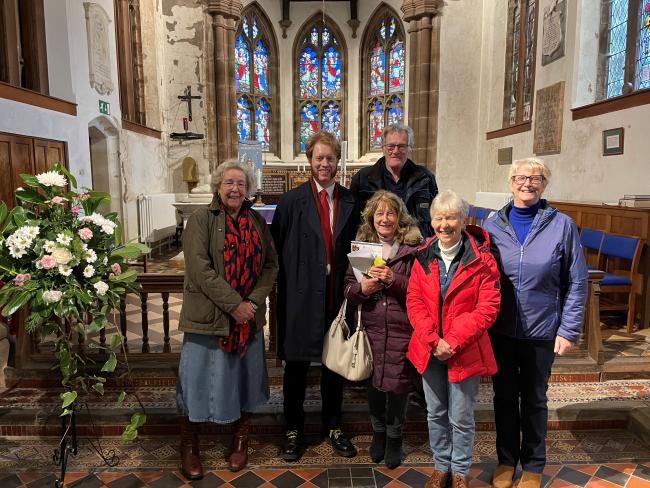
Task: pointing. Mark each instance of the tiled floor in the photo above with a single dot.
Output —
(587, 458)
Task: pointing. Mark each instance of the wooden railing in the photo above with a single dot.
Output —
(30, 354)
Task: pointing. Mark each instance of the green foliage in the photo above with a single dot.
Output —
(67, 263)
(131, 431)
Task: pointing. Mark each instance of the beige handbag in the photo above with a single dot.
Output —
(345, 354)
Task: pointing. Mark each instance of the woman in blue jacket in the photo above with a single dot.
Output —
(543, 294)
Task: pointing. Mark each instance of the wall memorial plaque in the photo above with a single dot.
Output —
(274, 182)
(554, 30)
(297, 178)
(99, 59)
(549, 112)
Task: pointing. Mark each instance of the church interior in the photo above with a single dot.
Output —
(143, 99)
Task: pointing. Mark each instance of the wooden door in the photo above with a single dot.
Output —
(46, 153)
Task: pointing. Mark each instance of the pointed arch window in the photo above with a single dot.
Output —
(383, 77)
(521, 45)
(256, 80)
(320, 81)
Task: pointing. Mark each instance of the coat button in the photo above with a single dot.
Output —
(384, 304)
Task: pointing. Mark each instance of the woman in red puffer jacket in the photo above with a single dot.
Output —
(452, 299)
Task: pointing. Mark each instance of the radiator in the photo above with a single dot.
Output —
(156, 216)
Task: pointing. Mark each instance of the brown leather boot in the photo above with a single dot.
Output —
(190, 454)
(502, 477)
(459, 481)
(529, 480)
(438, 479)
(239, 445)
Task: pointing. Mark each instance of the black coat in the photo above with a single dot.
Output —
(421, 189)
(302, 280)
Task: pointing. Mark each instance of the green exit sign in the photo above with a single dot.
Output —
(104, 107)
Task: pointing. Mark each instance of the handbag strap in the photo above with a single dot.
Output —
(342, 310)
(359, 324)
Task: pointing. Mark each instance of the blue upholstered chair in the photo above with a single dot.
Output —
(591, 239)
(480, 214)
(619, 257)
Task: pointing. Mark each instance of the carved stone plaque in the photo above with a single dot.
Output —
(554, 31)
(549, 112)
(274, 182)
(99, 59)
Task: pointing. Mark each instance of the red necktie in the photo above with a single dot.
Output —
(324, 216)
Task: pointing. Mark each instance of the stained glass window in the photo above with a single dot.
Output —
(520, 62)
(254, 58)
(643, 63)
(319, 81)
(627, 66)
(384, 76)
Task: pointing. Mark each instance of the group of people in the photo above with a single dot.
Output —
(451, 302)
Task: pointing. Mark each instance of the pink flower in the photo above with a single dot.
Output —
(75, 210)
(20, 279)
(85, 233)
(116, 268)
(48, 261)
(59, 200)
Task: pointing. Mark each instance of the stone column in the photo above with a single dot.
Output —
(222, 17)
(423, 17)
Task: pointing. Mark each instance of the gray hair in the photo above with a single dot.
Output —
(217, 177)
(403, 128)
(536, 165)
(452, 202)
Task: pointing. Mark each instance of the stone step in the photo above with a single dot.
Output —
(27, 411)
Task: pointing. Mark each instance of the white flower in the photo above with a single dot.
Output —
(101, 288)
(62, 255)
(105, 261)
(90, 256)
(30, 231)
(63, 238)
(52, 296)
(89, 271)
(16, 251)
(49, 246)
(107, 226)
(65, 270)
(51, 178)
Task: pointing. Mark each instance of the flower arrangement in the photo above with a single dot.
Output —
(65, 261)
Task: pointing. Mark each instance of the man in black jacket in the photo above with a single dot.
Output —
(395, 172)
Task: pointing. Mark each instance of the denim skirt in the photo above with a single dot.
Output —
(215, 386)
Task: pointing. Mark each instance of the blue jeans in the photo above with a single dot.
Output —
(450, 416)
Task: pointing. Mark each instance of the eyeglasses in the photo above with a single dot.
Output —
(392, 147)
(534, 179)
(231, 184)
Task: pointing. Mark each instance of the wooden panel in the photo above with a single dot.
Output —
(40, 156)
(22, 159)
(46, 153)
(590, 219)
(56, 153)
(632, 226)
(6, 193)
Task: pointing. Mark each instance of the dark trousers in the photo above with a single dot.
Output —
(294, 386)
(387, 411)
(520, 402)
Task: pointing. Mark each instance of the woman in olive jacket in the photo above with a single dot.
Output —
(382, 295)
(230, 268)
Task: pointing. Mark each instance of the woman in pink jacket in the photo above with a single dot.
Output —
(452, 299)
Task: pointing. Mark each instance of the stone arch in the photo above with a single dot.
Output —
(106, 171)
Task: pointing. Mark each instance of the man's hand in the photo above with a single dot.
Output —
(562, 346)
(244, 311)
(443, 351)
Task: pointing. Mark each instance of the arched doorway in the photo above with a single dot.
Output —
(105, 163)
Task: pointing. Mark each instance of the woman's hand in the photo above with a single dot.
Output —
(370, 285)
(562, 346)
(245, 311)
(443, 350)
(383, 273)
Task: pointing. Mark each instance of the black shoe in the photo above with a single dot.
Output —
(342, 444)
(393, 456)
(377, 447)
(417, 398)
(292, 449)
